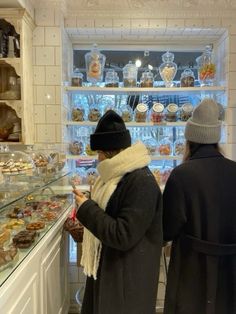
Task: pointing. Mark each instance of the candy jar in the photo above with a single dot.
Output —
(206, 67)
(130, 72)
(172, 112)
(147, 79)
(157, 112)
(165, 147)
(95, 62)
(94, 113)
(179, 147)
(168, 68)
(77, 78)
(126, 113)
(187, 78)
(76, 148)
(141, 112)
(186, 112)
(78, 113)
(91, 176)
(151, 145)
(111, 79)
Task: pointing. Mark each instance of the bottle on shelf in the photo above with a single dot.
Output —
(130, 73)
(206, 67)
(95, 62)
(168, 69)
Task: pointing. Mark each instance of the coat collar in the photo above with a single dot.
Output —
(206, 151)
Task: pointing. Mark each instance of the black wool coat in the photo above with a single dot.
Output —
(199, 215)
(131, 234)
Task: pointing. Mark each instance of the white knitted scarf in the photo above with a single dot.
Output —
(110, 172)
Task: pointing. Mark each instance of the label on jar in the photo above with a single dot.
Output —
(142, 107)
(158, 107)
(172, 108)
(187, 108)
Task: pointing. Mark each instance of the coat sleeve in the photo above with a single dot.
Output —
(138, 206)
(174, 212)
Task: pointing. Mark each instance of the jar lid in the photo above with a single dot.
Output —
(142, 107)
(158, 107)
(172, 108)
(187, 107)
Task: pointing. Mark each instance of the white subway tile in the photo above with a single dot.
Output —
(121, 23)
(46, 133)
(70, 22)
(58, 52)
(85, 23)
(212, 22)
(58, 95)
(44, 17)
(38, 36)
(52, 36)
(232, 98)
(103, 23)
(39, 114)
(53, 114)
(139, 23)
(193, 23)
(173, 23)
(59, 133)
(39, 75)
(53, 75)
(157, 23)
(45, 56)
(232, 44)
(45, 95)
(231, 80)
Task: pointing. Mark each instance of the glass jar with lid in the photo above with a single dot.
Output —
(95, 62)
(41, 159)
(179, 147)
(126, 113)
(186, 112)
(157, 112)
(76, 147)
(77, 78)
(141, 112)
(187, 78)
(111, 78)
(130, 73)
(94, 113)
(147, 79)
(151, 145)
(165, 147)
(168, 68)
(78, 113)
(172, 112)
(206, 67)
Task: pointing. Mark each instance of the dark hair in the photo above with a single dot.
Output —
(191, 148)
(111, 153)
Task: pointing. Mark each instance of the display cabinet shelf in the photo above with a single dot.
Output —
(50, 192)
(140, 90)
(130, 124)
(153, 157)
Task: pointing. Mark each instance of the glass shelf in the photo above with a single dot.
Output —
(57, 201)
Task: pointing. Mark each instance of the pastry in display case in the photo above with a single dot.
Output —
(13, 162)
(27, 218)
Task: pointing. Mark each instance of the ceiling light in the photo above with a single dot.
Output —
(138, 63)
(150, 67)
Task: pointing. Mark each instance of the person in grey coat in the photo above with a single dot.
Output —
(122, 239)
(199, 216)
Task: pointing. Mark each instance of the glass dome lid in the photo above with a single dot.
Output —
(13, 162)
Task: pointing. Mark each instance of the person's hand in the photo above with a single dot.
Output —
(80, 198)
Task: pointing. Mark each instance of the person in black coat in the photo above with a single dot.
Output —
(199, 216)
(123, 225)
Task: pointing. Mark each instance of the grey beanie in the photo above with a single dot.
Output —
(204, 126)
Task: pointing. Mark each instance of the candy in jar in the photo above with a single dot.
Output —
(157, 113)
(186, 112)
(165, 147)
(141, 112)
(172, 112)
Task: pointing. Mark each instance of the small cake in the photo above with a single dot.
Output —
(24, 238)
(37, 225)
(7, 256)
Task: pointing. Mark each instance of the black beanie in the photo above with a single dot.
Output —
(110, 133)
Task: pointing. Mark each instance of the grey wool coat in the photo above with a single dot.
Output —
(131, 233)
(199, 215)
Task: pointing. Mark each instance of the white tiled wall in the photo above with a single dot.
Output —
(47, 46)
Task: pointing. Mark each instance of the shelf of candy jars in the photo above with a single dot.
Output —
(26, 220)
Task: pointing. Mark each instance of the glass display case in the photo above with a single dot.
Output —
(27, 215)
